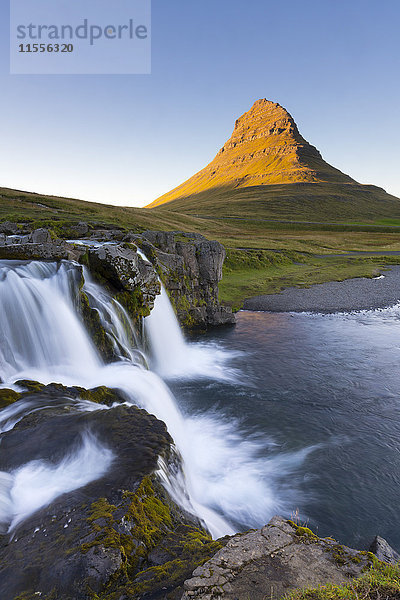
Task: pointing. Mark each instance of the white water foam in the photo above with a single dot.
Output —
(42, 338)
(37, 483)
(174, 358)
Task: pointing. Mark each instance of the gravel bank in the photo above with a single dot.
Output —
(336, 296)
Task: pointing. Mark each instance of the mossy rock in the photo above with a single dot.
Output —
(30, 386)
(159, 552)
(100, 395)
(8, 397)
(95, 329)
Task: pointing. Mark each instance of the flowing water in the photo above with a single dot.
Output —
(283, 412)
(328, 381)
(42, 338)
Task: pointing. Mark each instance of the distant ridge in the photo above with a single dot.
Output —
(267, 162)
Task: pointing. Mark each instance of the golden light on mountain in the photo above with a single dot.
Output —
(265, 148)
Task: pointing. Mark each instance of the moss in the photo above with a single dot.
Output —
(150, 516)
(303, 532)
(8, 397)
(35, 595)
(96, 330)
(134, 304)
(149, 524)
(100, 395)
(30, 386)
(379, 581)
(306, 532)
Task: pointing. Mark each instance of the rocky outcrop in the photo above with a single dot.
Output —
(126, 271)
(189, 265)
(117, 266)
(191, 268)
(269, 562)
(119, 536)
(383, 551)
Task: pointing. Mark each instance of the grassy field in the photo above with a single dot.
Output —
(337, 202)
(263, 255)
(248, 273)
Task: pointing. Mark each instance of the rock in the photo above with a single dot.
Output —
(126, 271)
(41, 236)
(121, 266)
(191, 269)
(190, 265)
(384, 551)
(121, 534)
(81, 229)
(38, 246)
(9, 228)
(130, 277)
(269, 562)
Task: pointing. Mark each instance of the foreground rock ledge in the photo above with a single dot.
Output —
(269, 562)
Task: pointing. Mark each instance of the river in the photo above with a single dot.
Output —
(296, 414)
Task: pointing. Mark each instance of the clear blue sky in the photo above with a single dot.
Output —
(334, 64)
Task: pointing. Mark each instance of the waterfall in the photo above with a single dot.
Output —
(39, 328)
(42, 338)
(167, 344)
(37, 483)
(172, 357)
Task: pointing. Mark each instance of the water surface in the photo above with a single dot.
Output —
(321, 394)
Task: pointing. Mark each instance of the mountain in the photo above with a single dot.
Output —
(267, 167)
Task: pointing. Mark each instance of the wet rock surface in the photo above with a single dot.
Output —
(269, 562)
(191, 268)
(189, 265)
(115, 537)
(383, 551)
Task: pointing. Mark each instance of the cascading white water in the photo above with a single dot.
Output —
(37, 483)
(38, 327)
(172, 357)
(42, 338)
(166, 339)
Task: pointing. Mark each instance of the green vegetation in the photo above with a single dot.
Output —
(380, 582)
(252, 272)
(151, 523)
(303, 532)
(315, 202)
(8, 397)
(272, 219)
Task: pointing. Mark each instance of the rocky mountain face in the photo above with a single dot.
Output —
(265, 148)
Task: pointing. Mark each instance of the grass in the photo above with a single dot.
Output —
(313, 202)
(292, 252)
(380, 582)
(249, 273)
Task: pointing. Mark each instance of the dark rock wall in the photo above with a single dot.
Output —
(189, 265)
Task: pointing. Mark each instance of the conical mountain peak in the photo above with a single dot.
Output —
(265, 148)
